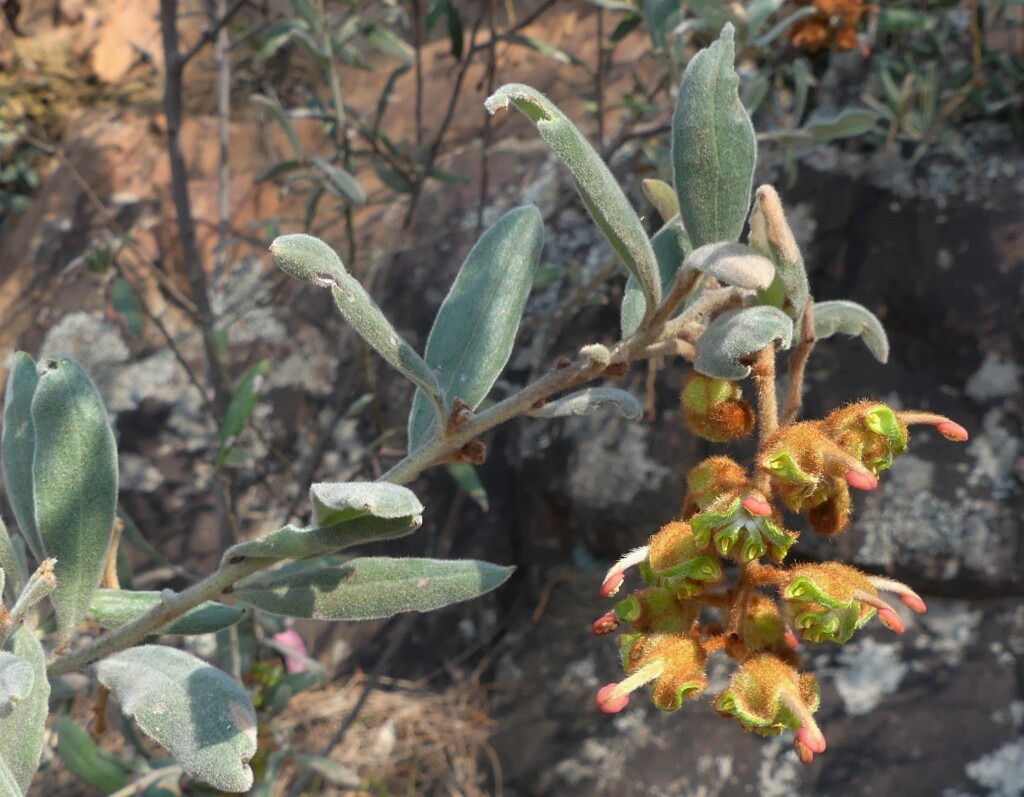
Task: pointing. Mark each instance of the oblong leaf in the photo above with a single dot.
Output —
(472, 336)
(340, 182)
(16, 677)
(663, 197)
(586, 401)
(18, 445)
(597, 186)
(23, 726)
(846, 124)
(86, 761)
(851, 318)
(713, 146)
(671, 246)
(335, 502)
(738, 334)
(732, 263)
(200, 714)
(13, 578)
(74, 470)
(371, 588)
(311, 260)
(112, 608)
(294, 542)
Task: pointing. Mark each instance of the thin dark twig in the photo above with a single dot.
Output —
(527, 20)
(417, 42)
(485, 138)
(435, 146)
(208, 35)
(401, 630)
(173, 100)
(116, 228)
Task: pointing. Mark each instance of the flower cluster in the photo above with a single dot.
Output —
(732, 520)
(833, 24)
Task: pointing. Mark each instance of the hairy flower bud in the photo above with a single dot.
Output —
(870, 431)
(674, 662)
(769, 696)
(829, 602)
(676, 560)
(715, 409)
(764, 629)
(711, 479)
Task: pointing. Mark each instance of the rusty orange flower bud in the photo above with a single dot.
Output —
(715, 410)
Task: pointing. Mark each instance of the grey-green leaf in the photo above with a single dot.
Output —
(472, 336)
(8, 785)
(586, 401)
(595, 183)
(846, 124)
(200, 714)
(18, 446)
(23, 726)
(738, 334)
(335, 502)
(671, 245)
(466, 476)
(732, 263)
(340, 182)
(13, 578)
(371, 588)
(112, 608)
(851, 318)
(16, 679)
(86, 761)
(311, 260)
(293, 542)
(713, 146)
(75, 477)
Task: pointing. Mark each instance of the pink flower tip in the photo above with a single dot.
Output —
(609, 704)
(891, 620)
(861, 480)
(612, 583)
(913, 600)
(952, 431)
(757, 506)
(790, 639)
(605, 624)
(811, 737)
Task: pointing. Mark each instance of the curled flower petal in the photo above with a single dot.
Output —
(756, 505)
(607, 623)
(610, 703)
(862, 480)
(952, 431)
(612, 698)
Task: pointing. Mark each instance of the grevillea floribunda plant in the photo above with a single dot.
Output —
(693, 292)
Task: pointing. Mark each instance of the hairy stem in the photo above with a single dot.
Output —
(172, 605)
(798, 364)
